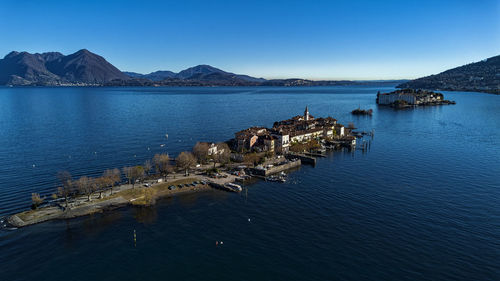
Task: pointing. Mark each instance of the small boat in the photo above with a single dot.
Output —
(162, 145)
(280, 178)
(234, 187)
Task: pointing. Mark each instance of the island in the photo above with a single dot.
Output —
(256, 152)
(411, 98)
(359, 111)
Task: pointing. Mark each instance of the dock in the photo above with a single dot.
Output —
(303, 158)
(276, 169)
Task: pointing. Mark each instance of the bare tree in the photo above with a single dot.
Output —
(162, 162)
(200, 151)
(66, 188)
(112, 177)
(36, 200)
(185, 160)
(127, 171)
(223, 153)
(101, 184)
(86, 186)
(135, 173)
(147, 167)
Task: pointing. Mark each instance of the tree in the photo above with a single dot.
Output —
(66, 188)
(112, 177)
(127, 172)
(133, 174)
(147, 167)
(162, 162)
(185, 160)
(251, 158)
(137, 174)
(101, 184)
(224, 152)
(200, 151)
(86, 186)
(36, 200)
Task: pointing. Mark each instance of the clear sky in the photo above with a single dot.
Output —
(271, 39)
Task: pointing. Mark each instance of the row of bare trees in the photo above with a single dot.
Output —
(161, 164)
(86, 185)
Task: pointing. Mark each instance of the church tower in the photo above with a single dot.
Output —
(306, 114)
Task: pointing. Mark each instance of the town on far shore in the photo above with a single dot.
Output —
(253, 153)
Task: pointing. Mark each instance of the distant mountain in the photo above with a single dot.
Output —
(133, 74)
(198, 71)
(82, 67)
(200, 74)
(153, 76)
(205, 72)
(483, 76)
(25, 68)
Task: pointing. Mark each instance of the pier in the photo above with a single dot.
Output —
(276, 169)
(303, 158)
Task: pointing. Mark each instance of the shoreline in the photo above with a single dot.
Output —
(491, 92)
(126, 196)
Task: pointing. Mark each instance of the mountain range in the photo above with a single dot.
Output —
(53, 68)
(85, 68)
(200, 72)
(483, 76)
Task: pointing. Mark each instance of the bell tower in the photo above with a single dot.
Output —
(306, 114)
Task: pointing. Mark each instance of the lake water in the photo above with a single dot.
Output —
(422, 204)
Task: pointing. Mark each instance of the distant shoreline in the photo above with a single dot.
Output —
(493, 92)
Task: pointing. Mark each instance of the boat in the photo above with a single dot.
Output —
(280, 178)
(234, 187)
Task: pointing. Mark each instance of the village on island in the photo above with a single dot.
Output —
(256, 152)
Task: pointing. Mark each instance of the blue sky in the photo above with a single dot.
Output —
(271, 39)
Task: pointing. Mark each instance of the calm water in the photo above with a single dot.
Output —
(422, 204)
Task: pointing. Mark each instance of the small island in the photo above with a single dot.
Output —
(255, 152)
(359, 111)
(406, 98)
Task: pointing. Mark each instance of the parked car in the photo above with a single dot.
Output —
(172, 187)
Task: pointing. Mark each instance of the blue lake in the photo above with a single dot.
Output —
(422, 204)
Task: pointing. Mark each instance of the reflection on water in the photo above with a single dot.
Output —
(145, 214)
